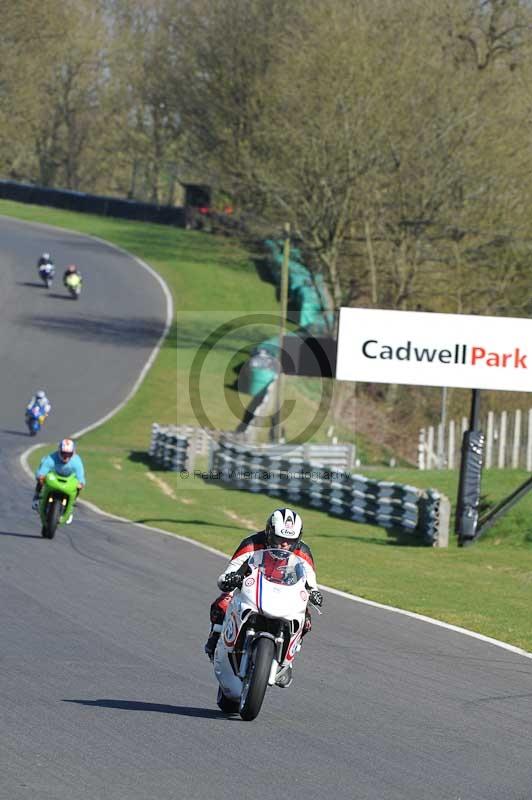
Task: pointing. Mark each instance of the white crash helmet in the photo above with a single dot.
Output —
(283, 525)
(40, 395)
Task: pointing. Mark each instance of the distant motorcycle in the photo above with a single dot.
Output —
(35, 420)
(46, 274)
(73, 283)
(57, 499)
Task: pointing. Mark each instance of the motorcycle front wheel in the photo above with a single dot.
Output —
(256, 680)
(53, 513)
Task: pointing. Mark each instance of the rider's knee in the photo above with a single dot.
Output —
(219, 607)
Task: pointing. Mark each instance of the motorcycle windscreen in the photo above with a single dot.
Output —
(278, 566)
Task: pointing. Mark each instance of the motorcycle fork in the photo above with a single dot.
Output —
(277, 660)
(246, 651)
(248, 643)
(63, 499)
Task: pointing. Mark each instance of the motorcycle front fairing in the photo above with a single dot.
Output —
(73, 282)
(228, 679)
(65, 489)
(271, 602)
(34, 413)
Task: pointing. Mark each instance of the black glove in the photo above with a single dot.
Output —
(231, 581)
(316, 598)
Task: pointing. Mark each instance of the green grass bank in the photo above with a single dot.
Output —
(487, 587)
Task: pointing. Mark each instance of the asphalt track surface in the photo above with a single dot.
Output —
(105, 693)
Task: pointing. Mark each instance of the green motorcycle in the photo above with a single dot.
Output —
(58, 495)
(73, 283)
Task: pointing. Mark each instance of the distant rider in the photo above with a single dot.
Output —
(39, 399)
(65, 462)
(45, 260)
(283, 531)
(45, 265)
(71, 270)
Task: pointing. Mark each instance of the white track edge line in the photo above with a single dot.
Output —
(423, 618)
(169, 318)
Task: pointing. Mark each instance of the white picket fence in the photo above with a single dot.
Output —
(508, 442)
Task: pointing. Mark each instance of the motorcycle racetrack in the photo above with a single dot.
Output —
(105, 692)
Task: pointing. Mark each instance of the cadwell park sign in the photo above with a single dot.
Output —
(426, 349)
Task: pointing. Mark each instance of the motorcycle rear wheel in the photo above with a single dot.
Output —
(53, 513)
(256, 680)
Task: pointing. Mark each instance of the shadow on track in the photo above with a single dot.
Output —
(160, 708)
(95, 328)
(149, 520)
(16, 433)
(21, 535)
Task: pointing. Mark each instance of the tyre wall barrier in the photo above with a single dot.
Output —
(169, 449)
(278, 471)
(399, 508)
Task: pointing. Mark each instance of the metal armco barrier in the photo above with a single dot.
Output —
(396, 507)
(337, 455)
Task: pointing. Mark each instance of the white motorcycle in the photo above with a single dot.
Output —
(262, 630)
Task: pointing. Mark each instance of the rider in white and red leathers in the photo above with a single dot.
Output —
(283, 531)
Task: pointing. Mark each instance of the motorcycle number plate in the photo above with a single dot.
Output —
(230, 631)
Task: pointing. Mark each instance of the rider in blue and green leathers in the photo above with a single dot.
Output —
(64, 461)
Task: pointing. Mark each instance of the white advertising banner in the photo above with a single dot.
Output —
(425, 349)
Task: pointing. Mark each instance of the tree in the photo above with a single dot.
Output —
(147, 41)
(373, 130)
(228, 48)
(30, 31)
